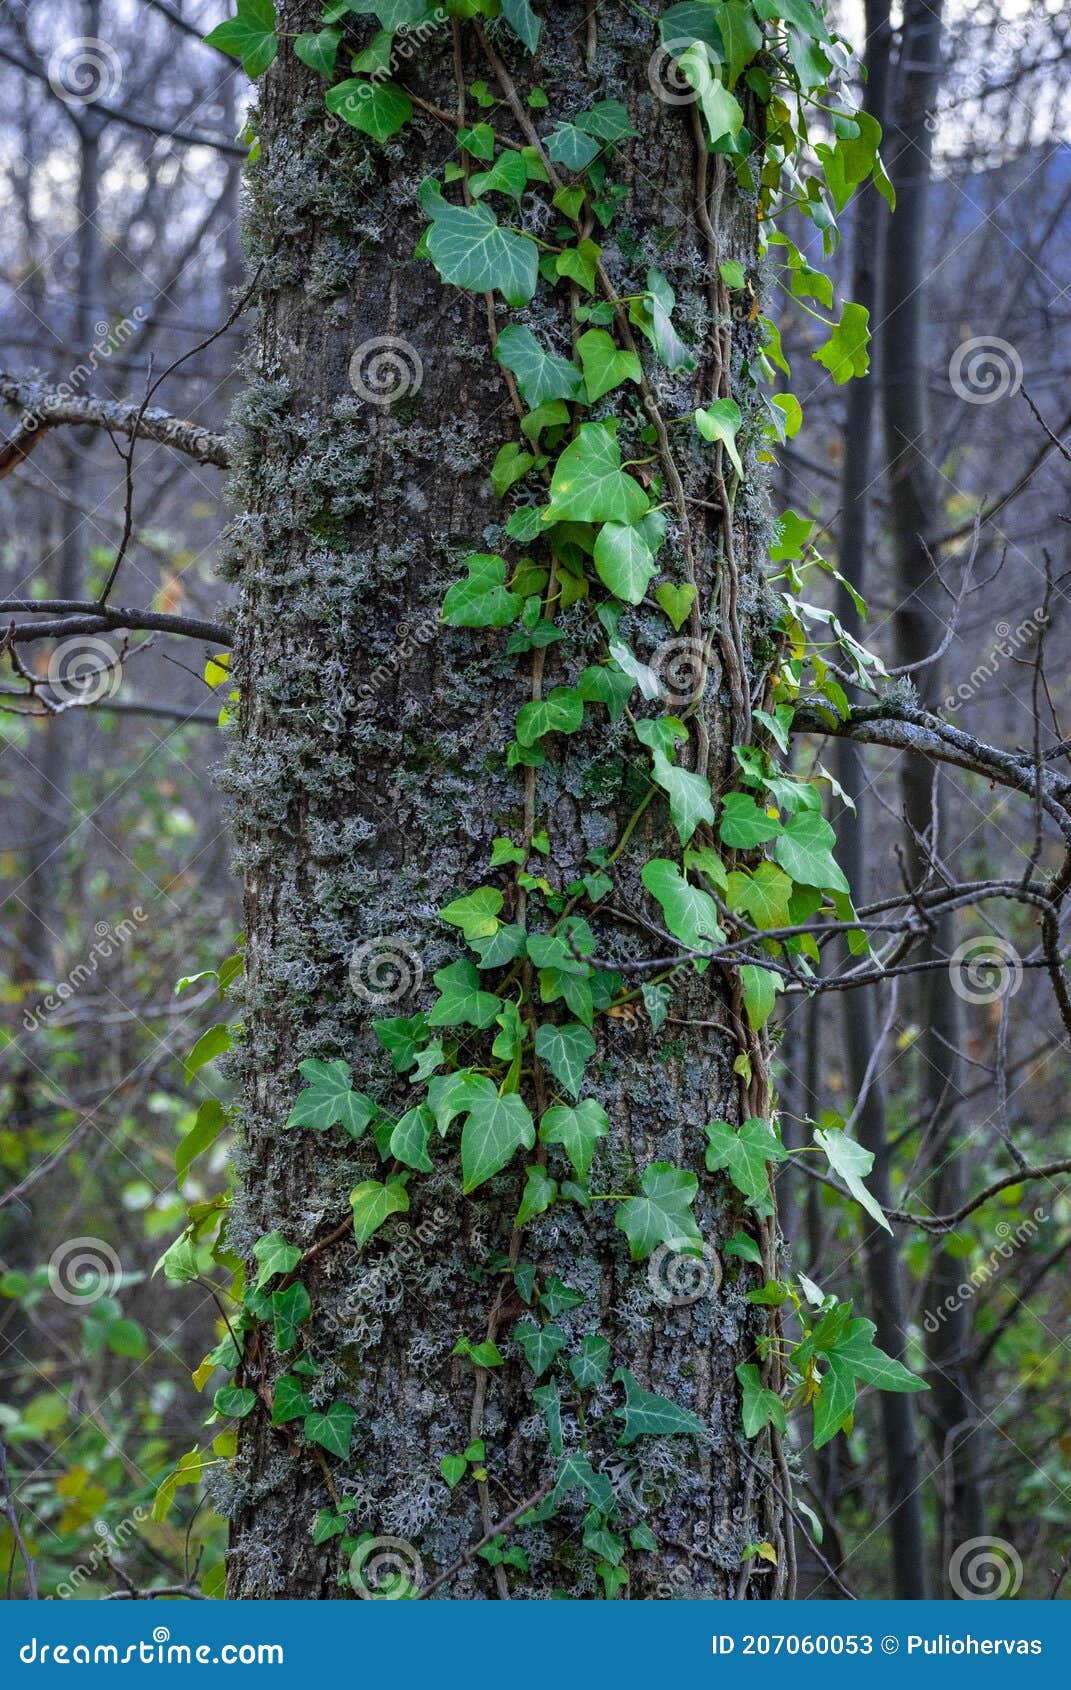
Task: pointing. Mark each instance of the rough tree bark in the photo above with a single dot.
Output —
(368, 780)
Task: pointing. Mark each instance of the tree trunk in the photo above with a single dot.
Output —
(369, 779)
(884, 1271)
(919, 627)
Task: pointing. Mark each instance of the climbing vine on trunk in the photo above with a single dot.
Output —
(658, 673)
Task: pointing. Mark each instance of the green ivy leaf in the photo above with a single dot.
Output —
(319, 50)
(656, 1001)
(540, 375)
(329, 1099)
(508, 175)
(289, 1401)
(760, 1406)
(569, 146)
(649, 1416)
(469, 249)
(845, 353)
(548, 1398)
(409, 1140)
(624, 560)
(694, 20)
(274, 1255)
(377, 109)
(852, 1162)
(763, 895)
(523, 22)
(606, 684)
(510, 466)
(663, 1214)
(741, 35)
(250, 36)
(744, 824)
(691, 914)
(577, 1128)
(676, 601)
(332, 1428)
(374, 1203)
(589, 484)
(588, 1368)
(652, 315)
(211, 1044)
(722, 111)
(483, 600)
(476, 913)
(577, 1473)
(495, 1129)
(290, 1308)
(538, 1195)
(402, 1036)
(721, 422)
(561, 712)
(606, 366)
(745, 1154)
(209, 1122)
(453, 1469)
(566, 1050)
(234, 1401)
(744, 1247)
(461, 1001)
(760, 988)
(805, 851)
(539, 1343)
(689, 795)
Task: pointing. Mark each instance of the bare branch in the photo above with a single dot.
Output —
(86, 616)
(45, 407)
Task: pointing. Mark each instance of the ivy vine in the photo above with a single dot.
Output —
(587, 494)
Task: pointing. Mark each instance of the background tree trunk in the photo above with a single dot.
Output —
(884, 1270)
(369, 778)
(919, 626)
